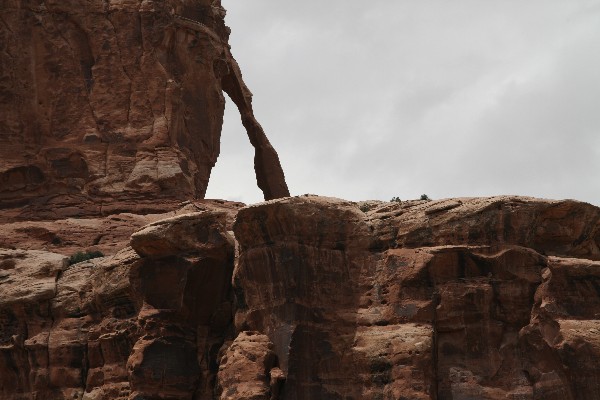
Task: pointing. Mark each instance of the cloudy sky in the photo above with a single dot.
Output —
(370, 100)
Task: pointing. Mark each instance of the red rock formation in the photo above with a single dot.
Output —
(185, 305)
(251, 356)
(126, 326)
(307, 308)
(107, 234)
(529, 222)
(434, 300)
(269, 174)
(111, 113)
(327, 302)
(117, 102)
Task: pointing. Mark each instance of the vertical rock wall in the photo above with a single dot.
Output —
(298, 281)
(454, 299)
(118, 99)
(316, 300)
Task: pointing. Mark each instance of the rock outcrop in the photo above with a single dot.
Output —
(107, 234)
(105, 102)
(126, 326)
(454, 299)
(250, 355)
(110, 121)
(319, 298)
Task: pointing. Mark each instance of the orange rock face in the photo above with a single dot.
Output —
(316, 300)
(117, 102)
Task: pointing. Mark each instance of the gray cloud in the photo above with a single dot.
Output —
(381, 99)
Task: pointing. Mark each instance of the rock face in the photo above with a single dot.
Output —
(118, 102)
(119, 327)
(499, 299)
(250, 356)
(107, 234)
(455, 299)
(111, 113)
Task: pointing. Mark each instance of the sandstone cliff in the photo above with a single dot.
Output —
(117, 101)
(111, 114)
(312, 298)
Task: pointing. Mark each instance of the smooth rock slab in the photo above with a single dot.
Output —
(202, 232)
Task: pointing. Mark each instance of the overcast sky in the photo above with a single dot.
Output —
(370, 100)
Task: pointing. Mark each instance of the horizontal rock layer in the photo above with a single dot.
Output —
(317, 298)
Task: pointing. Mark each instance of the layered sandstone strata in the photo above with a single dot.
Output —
(109, 234)
(466, 298)
(136, 324)
(316, 300)
(118, 101)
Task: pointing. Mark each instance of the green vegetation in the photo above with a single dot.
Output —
(396, 199)
(425, 197)
(81, 256)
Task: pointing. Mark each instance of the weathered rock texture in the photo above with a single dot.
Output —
(457, 299)
(495, 298)
(127, 326)
(107, 234)
(117, 102)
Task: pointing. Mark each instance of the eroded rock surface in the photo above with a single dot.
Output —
(318, 299)
(118, 102)
(111, 113)
(250, 355)
(120, 327)
(451, 299)
(107, 234)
